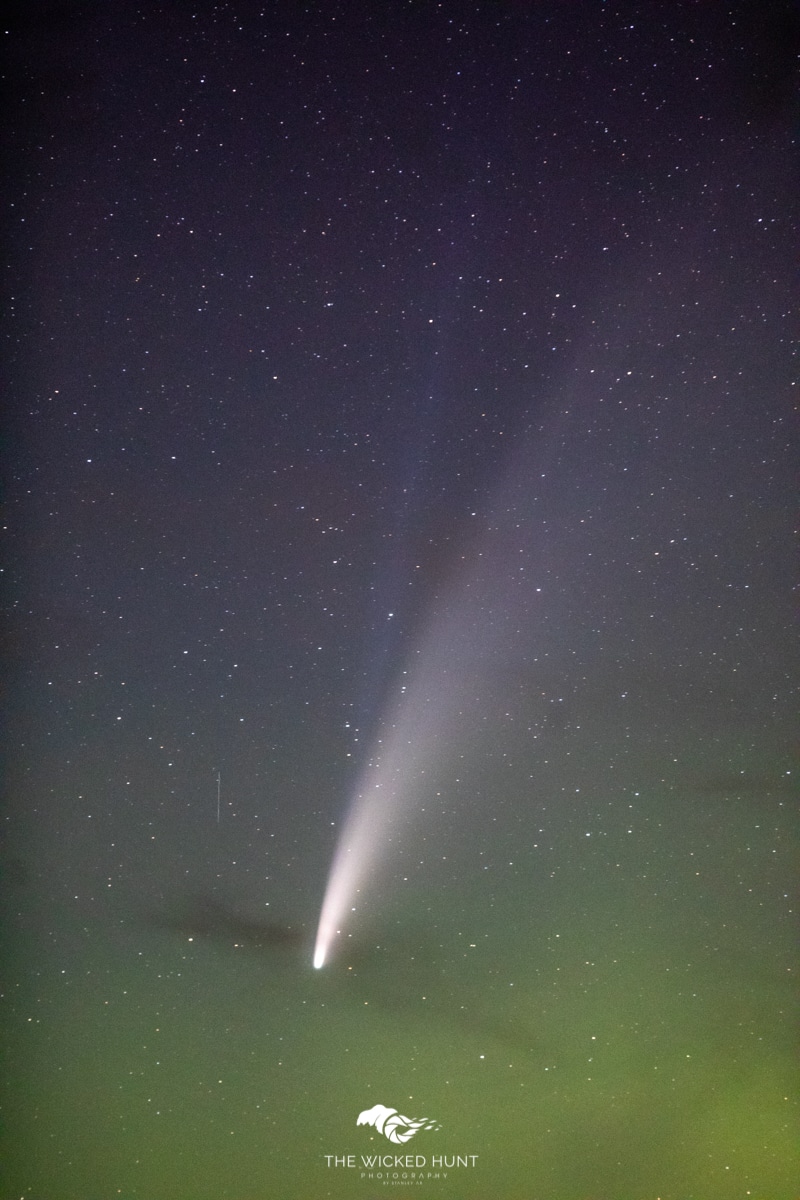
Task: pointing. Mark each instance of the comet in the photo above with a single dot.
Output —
(390, 791)
(379, 809)
(477, 629)
(435, 702)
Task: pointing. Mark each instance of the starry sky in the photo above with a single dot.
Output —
(417, 375)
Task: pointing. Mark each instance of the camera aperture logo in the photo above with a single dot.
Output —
(393, 1125)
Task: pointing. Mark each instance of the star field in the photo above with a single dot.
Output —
(401, 382)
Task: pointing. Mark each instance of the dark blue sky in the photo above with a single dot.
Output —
(332, 329)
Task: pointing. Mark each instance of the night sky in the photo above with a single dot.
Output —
(404, 382)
